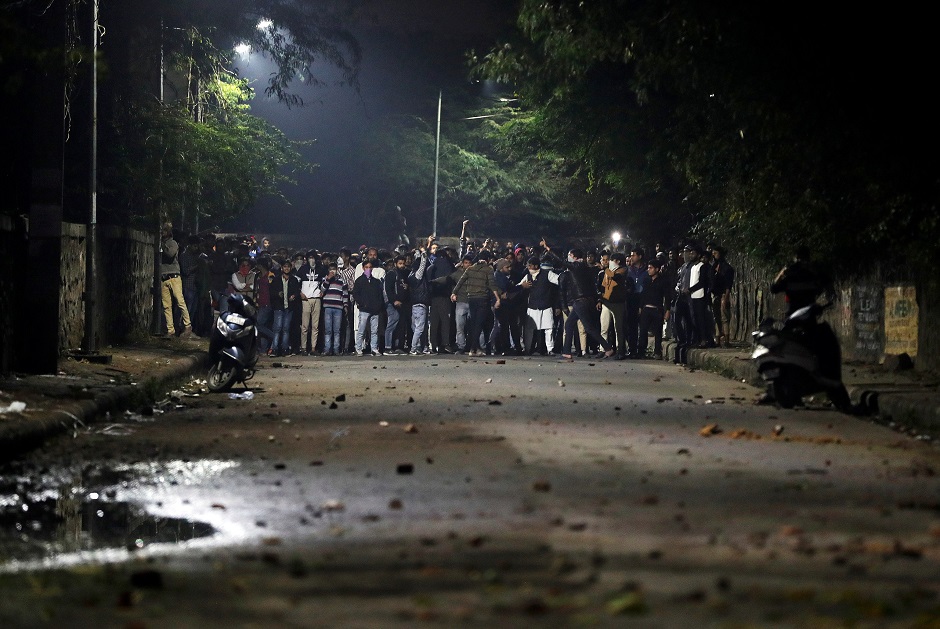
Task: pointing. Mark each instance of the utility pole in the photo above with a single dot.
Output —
(156, 320)
(437, 159)
(90, 341)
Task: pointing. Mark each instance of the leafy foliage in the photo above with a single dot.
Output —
(218, 165)
(480, 177)
(732, 120)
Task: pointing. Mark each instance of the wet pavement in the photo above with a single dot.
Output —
(485, 492)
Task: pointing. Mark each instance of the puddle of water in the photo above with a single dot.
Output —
(61, 511)
(50, 527)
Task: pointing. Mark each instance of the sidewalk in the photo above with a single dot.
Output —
(82, 391)
(141, 374)
(908, 399)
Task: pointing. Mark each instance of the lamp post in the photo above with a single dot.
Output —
(437, 159)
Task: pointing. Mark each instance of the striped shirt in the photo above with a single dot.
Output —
(335, 294)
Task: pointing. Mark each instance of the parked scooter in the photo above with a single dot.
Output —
(233, 345)
(799, 357)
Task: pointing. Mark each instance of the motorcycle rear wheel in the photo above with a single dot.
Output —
(221, 376)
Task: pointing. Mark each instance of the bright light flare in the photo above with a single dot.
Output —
(265, 24)
(615, 237)
(243, 49)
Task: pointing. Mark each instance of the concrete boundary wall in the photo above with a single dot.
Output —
(125, 285)
(877, 314)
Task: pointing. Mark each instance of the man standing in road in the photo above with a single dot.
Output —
(171, 284)
(369, 294)
(480, 285)
(442, 310)
(311, 305)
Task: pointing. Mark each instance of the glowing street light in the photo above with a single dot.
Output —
(243, 49)
(616, 238)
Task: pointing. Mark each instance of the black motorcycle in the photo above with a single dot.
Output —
(233, 346)
(799, 357)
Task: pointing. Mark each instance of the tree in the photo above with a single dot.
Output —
(758, 127)
(479, 177)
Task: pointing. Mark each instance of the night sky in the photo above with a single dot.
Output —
(407, 47)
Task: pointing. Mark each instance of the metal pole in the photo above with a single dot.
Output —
(156, 317)
(90, 342)
(437, 159)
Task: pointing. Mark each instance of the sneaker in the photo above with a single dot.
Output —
(376, 353)
(358, 352)
(414, 352)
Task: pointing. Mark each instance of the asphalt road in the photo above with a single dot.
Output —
(448, 491)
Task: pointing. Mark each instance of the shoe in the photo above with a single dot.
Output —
(414, 352)
(270, 352)
(658, 356)
(376, 353)
(187, 333)
(567, 357)
(358, 352)
(445, 350)
(427, 351)
(621, 357)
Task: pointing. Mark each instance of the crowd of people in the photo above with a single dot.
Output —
(475, 299)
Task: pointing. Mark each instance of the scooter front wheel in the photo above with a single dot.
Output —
(221, 376)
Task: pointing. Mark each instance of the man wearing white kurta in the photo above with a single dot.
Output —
(542, 286)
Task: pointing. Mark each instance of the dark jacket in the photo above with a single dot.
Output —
(581, 282)
(277, 291)
(369, 294)
(395, 288)
(440, 267)
(658, 293)
(543, 293)
(418, 284)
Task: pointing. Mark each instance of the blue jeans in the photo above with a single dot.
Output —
(391, 322)
(266, 335)
(462, 317)
(282, 319)
(332, 327)
(372, 320)
(419, 323)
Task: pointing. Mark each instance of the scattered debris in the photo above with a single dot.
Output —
(245, 395)
(541, 485)
(14, 407)
(405, 468)
(411, 428)
(709, 430)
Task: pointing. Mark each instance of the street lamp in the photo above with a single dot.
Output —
(437, 159)
(616, 238)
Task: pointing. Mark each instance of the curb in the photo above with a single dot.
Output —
(913, 409)
(20, 435)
